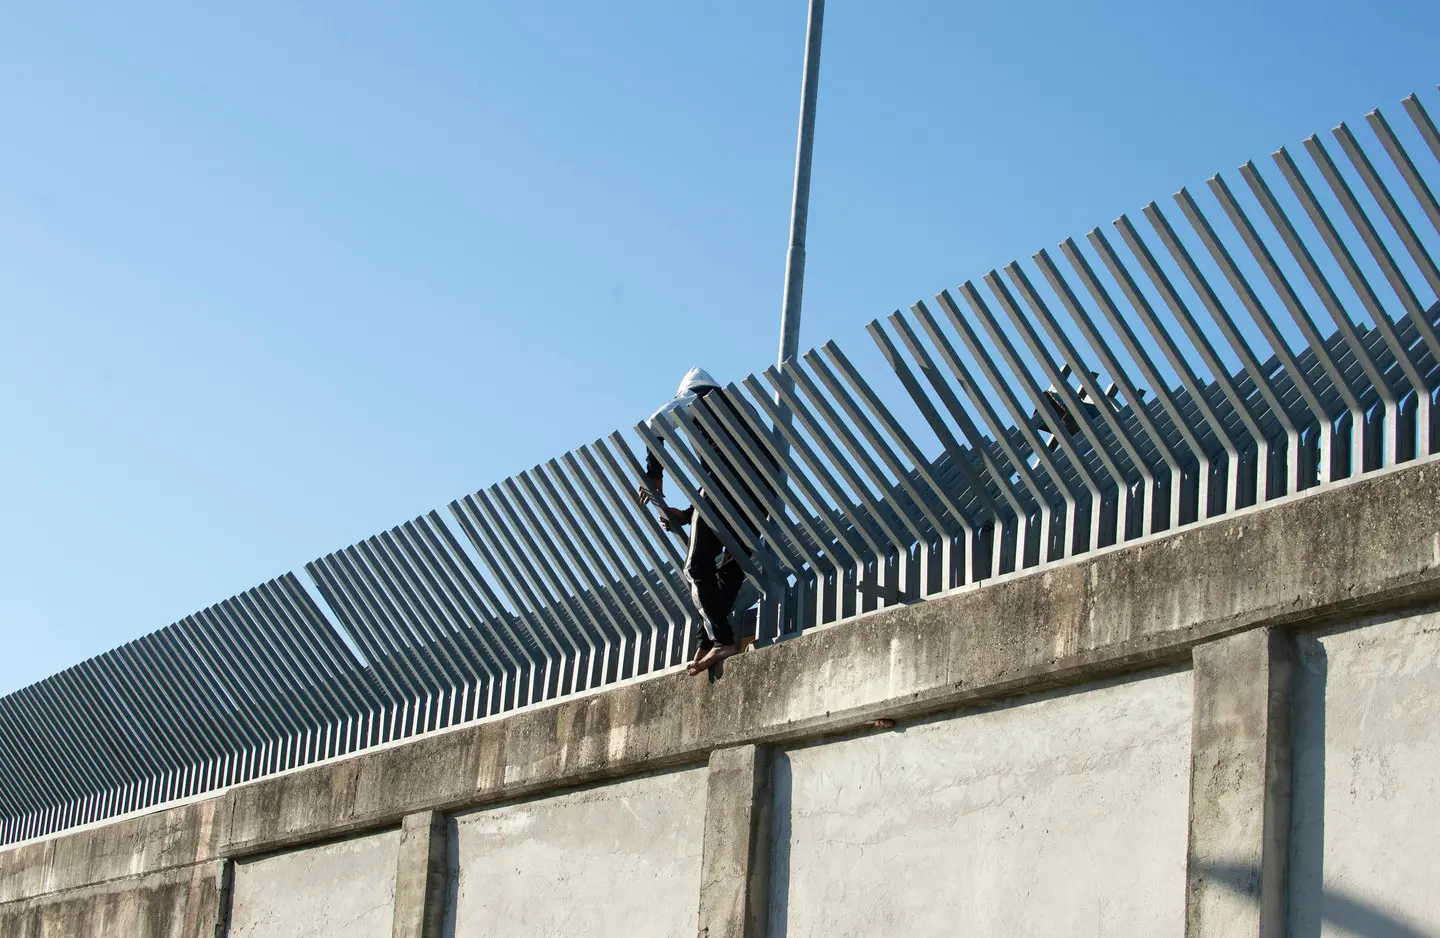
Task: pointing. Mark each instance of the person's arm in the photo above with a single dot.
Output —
(671, 519)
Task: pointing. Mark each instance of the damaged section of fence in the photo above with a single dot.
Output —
(1272, 333)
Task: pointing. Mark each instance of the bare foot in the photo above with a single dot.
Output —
(714, 656)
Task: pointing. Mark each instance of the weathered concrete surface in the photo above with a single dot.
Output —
(1371, 545)
(735, 864)
(422, 876)
(1365, 834)
(614, 861)
(344, 889)
(1360, 546)
(176, 903)
(1063, 814)
(150, 843)
(1240, 786)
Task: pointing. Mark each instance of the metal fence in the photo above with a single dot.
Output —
(1191, 363)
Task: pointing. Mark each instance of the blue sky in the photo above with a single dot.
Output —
(275, 276)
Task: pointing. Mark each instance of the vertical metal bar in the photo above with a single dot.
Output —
(800, 206)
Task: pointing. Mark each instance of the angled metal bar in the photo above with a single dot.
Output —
(134, 689)
(1076, 404)
(484, 627)
(478, 529)
(1417, 184)
(1379, 317)
(432, 537)
(334, 584)
(424, 682)
(1167, 454)
(577, 566)
(1371, 237)
(1042, 404)
(44, 722)
(302, 661)
(884, 489)
(175, 654)
(1141, 358)
(911, 452)
(1321, 285)
(609, 530)
(269, 662)
(974, 437)
(881, 439)
(509, 525)
(610, 581)
(441, 640)
(1219, 315)
(423, 636)
(1000, 437)
(614, 482)
(233, 679)
(248, 669)
(1424, 124)
(713, 505)
(834, 463)
(747, 428)
(194, 702)
(970, 479)
(452, 627)
(112, 725)
(406, 631)
(339, 673)
(287, 593)
(820, 469)
(1232, 444)
(703, 432)
(1397, 219)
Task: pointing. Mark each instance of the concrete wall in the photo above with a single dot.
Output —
(344, 889)
(1060, 814)
(1229, 601)
(1365, 834)
(618, 860)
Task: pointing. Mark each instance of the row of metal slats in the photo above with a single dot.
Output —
(1110, 390)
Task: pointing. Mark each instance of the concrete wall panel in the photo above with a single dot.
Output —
(619, 860)
(344, 889)
(1366, 809)
(1061, 815)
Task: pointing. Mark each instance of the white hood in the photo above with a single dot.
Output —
(695, 379)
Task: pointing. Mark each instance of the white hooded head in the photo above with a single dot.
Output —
(695, 380)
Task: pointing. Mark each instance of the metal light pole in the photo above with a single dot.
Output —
(800, 209)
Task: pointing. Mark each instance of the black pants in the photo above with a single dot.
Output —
(715, 580)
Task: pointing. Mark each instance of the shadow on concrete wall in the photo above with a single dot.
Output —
(782, 788)
(1310, 905)
(1331, 907)
(1306, 871)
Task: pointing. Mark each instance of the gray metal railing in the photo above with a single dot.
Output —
(1176, 370)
